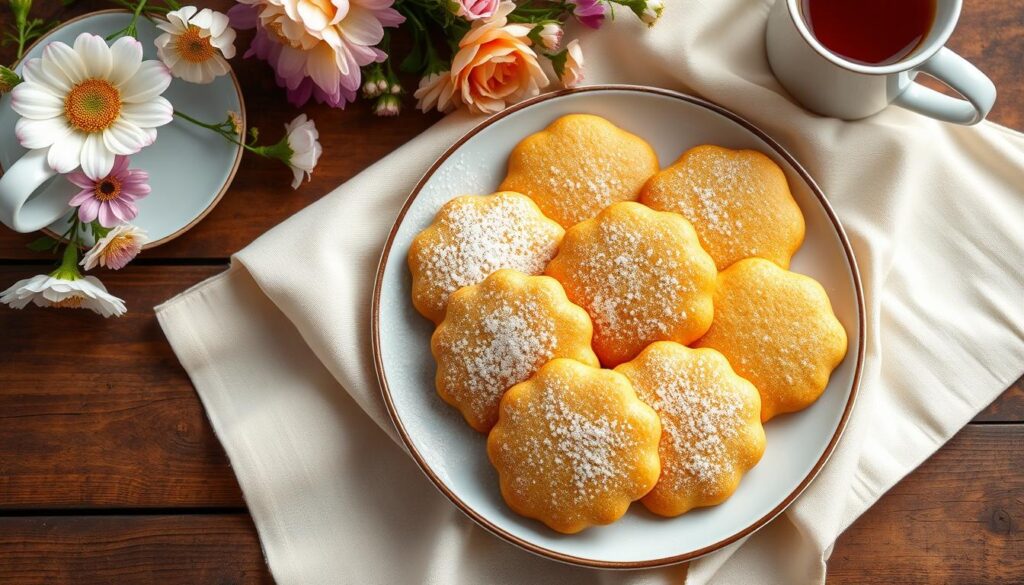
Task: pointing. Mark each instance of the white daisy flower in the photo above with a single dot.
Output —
(196, 44)
(88, 103)
(51, 291)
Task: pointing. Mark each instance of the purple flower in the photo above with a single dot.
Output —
(110, 199)
(590, 12)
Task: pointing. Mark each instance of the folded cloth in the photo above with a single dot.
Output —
(278, 347)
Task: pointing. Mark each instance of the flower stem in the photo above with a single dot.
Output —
(227, 135)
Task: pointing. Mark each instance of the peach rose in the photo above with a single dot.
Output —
(495, 65)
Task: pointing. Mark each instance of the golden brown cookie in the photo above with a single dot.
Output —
(471, 237)
(641, 275)
(499, 333)
(574, 446)
(738, 201)
(579, 165)
(711, 431)
(778, 330)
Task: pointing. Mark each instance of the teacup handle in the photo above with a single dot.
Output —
(18, 209)
(966, 79)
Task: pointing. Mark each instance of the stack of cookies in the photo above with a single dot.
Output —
(622, 332)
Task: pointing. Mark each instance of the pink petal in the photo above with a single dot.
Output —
(106, 215)
(123, 210)
(120, 166)
(81, 197)
(79, 179)
(88, 211)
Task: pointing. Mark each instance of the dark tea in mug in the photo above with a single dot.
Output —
(870, 32)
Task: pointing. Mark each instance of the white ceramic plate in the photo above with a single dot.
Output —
(189, 167)
(453, 455)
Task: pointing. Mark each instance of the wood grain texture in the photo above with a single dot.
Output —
(956, 520)
(99, 413)
(128, 550)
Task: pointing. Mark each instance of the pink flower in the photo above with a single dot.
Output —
(473, 9)
(116, 249)
(317, 47)
(110, 199)
(589, 12)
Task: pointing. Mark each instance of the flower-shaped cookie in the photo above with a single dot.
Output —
(641, 275)
(711, 431)
(738, 201)
(579, 165)
(499, 333)
(473, 236)
(778, 330)
(574, 446)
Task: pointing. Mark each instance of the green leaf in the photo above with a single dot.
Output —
(43, 244)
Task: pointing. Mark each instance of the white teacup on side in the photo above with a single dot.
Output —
(831, 85)
(27, 202)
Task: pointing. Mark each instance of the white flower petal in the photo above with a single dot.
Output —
(40, 133)
(36, 73)
(66, 153)
(149, 81)
(125, 138)
(219, 24)
(361, 27)
(95, 54)
(96, 159)
(151, 114)
(225, 43)
(35, 101)
(202, 19)
(66, 60)
(126, 54)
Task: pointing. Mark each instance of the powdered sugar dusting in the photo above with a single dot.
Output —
(714, 180)
(475, 239)
(633, 281)
(590, 451)
(701, 413)
(485, 353)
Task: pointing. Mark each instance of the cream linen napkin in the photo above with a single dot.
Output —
(278, 347)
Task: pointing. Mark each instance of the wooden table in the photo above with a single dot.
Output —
(110, 472)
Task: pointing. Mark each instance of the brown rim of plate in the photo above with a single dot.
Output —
(545, 552)
(234, 166)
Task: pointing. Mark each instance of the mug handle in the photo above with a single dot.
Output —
(953, 70)
(18, 209)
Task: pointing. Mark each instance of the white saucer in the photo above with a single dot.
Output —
(190, 168)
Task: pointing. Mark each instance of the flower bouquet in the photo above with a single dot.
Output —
(93, 104)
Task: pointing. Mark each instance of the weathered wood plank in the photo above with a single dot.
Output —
(955, 520)
(98, 413)
(95, 550)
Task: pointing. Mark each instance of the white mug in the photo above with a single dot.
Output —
(829, 84)
(25, 206)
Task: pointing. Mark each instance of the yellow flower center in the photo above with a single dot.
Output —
(72, 302)
(118, 245)
(107, 189)
(93, 105)
(193, 46)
